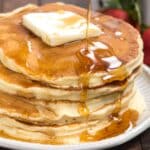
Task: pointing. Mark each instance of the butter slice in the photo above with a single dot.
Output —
(59, 27)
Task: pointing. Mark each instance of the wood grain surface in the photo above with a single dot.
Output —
(142, 142)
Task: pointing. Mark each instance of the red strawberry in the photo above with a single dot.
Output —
(117, 13)
(146, 39)
(147, 56)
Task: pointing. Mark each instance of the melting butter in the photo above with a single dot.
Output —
(59, 27)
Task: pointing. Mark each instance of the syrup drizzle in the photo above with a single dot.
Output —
(94, 57)
(124, 122)
(115, 114)
(97, 56)
(85, 76)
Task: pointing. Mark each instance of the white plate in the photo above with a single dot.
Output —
(143, 84)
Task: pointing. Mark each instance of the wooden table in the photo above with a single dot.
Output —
(142, 142)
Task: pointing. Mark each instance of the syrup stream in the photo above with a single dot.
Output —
(84, 78)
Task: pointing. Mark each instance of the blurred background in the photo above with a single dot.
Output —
(135, 12)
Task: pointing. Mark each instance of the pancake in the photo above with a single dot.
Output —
(64, 66)
(78, 92)
(74, 133)
(18, 84)
(44, 113)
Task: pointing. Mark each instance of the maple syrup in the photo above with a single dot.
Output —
(115, 114)
(83, 110)
(71, 20)
(126, 120)
(98, 56)
(85, 74)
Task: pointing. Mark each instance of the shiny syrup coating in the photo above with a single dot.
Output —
(102, 57)
(85, 69)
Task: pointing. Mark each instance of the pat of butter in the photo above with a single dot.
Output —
(60, 27)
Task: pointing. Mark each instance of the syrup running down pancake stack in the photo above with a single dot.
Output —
(68, 94)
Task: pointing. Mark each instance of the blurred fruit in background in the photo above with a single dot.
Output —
(129, 11)
(146, 39)
(118, 13)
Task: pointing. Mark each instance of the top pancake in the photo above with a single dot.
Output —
(64, 66)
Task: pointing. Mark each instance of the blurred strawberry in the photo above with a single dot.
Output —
(147, 56)
(146, 39)
(117, 13)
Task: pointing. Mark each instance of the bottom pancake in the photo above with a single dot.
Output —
(77, 132)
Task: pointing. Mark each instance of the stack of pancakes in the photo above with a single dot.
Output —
(58, 95)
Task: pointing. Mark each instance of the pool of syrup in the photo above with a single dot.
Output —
(119, 126)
